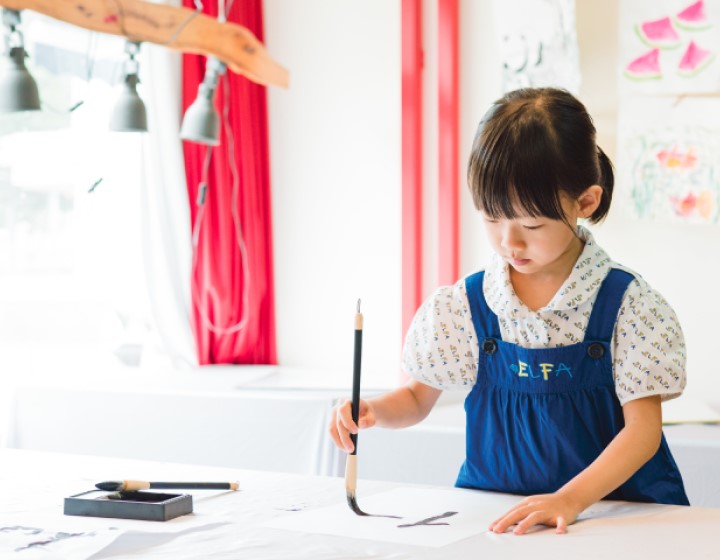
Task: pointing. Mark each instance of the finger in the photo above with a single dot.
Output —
(535, 518)
(345, 416)
(367, 416)
(511, 518)
(340, 436)
(333, 431)
(520, 505)
(343, 433)
(345, 440)
(561, 525)
(507, 514)
(362, 412)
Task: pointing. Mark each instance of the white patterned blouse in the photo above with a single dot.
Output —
(648, 350)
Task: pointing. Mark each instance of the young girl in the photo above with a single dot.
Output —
(568, 353)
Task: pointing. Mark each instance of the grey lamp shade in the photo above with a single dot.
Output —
(201, 122)
(18, 90)
(129, 113)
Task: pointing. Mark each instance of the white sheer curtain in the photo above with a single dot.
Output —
(165, 211)
(94, 225)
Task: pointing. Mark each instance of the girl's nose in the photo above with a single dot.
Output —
(511, 239)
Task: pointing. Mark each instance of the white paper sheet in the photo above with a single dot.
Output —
(658, 63)
(58, 541)
(474, 511)
(54, 535)
(538, 43)
(668, 156)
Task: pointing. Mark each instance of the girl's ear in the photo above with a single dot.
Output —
(589, 200)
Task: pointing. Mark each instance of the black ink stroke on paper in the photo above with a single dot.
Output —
(430, 520)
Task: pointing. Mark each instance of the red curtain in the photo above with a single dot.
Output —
(232, 325)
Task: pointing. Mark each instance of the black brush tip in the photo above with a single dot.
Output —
(353, 504)
(110, 486)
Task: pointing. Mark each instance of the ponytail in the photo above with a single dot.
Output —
(606, 181)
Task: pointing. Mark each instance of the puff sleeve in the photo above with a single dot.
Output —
(440, 346)
(649, 347)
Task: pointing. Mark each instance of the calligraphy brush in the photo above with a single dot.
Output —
(135, 485)
(351, 463)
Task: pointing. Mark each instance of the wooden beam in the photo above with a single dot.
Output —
(170, 26)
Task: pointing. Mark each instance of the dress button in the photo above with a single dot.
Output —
(489, 346)
(596, 350)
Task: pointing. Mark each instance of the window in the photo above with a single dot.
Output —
(71, 261)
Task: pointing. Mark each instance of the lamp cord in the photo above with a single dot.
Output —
(235, 174)
(202, 191)
(90, 56)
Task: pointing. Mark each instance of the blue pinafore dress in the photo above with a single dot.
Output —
(538, 417)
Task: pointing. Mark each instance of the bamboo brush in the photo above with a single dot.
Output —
(351, 464)
(135, 485)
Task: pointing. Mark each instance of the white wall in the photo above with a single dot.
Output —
(682, 261)
(335, 152)
(335, 144)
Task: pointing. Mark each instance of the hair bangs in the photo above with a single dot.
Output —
(533, 148)
(505, 185)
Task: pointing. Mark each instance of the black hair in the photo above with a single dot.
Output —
(532, 146)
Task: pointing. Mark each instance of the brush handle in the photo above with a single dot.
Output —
(351, 474)
(195, 485)
(357, 359)
(136, 485)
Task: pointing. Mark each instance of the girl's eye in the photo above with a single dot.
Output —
(532, 228)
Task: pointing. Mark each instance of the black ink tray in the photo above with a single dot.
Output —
(149, 506)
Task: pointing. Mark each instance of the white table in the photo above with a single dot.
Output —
(228, 525)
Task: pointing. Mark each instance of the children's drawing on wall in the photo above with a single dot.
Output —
(538, 43)
(669, 166)
(669, 46)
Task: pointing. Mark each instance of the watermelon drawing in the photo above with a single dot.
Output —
(645, 67)
(693, 17)
(695, 60)
(658, 33)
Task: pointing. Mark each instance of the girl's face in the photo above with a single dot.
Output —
(532, 245)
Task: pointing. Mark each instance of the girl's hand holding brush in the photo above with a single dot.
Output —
(402, 407)
(342, 425)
